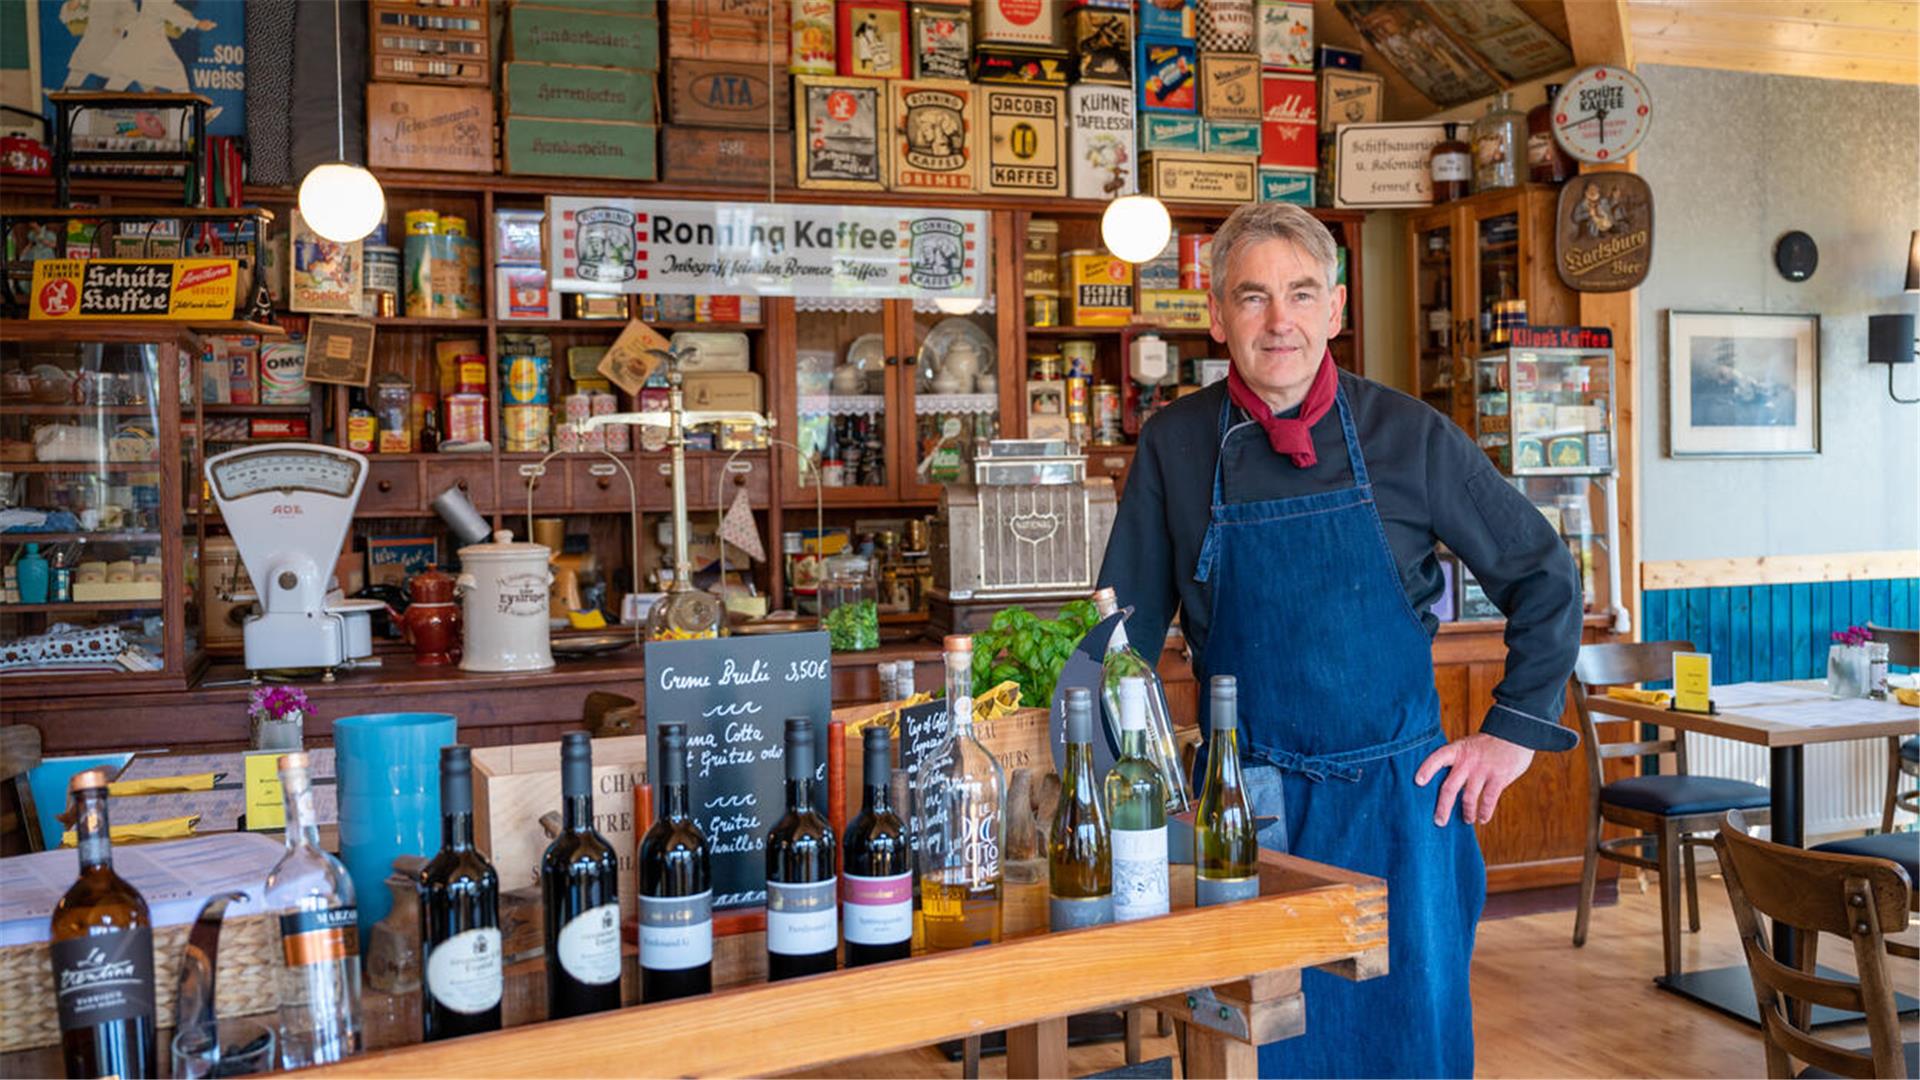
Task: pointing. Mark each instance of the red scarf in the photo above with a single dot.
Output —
(1292, 437)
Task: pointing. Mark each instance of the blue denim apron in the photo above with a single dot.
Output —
(1337, 694)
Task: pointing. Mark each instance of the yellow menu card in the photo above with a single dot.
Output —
(1693, 682)
(265, 807)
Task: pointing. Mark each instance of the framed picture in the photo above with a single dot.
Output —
(1742, 385)
(841, 125)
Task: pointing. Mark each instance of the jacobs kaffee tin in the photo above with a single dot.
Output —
(1025, 140)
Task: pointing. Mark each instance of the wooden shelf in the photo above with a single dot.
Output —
(81, 466)
(71, 410)
(84, 537)
(1075, 331)
(256, 410)
(401, 322)
(82, 608)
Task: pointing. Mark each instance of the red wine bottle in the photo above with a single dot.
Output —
(877, 888)
(676, 885)
(803, 932)
(580, 893)
(102, 953)
(460, 963)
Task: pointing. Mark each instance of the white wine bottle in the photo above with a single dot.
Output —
(1137, 808)
(1124, 661)
(1079, 847)
(1226, 848)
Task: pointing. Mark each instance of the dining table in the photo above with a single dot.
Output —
(1786, 718)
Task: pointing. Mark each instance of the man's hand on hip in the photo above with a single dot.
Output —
(1483, 766)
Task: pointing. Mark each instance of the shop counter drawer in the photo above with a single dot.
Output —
(392, 487)
(598, 484)
(549, 489)
(474, 479)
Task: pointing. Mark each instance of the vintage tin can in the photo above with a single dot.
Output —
(618, 436)
(1043, 309)
(1099, 289)
(1079, 356)
(1229, 86)
(1168, 75)
(940, 41)
(935, 145)
(1097, 39)
(1100, 140)
(380, 279)
(1026, 140)
(1196, 260)
(1043, 237)
(422, 222)
(811, 43)
(1163, 270)
(523, 379)
(1285, 35)
(1106, 414)
(466, 418)
(1171, 131)
(1045, 366)
(525, 428)
(1226, 25)
(452, 225)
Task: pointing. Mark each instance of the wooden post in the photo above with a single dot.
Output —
(1037, 1050)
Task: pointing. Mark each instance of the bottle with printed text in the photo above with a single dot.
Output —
(311, 895)
(1226, 846)
(1122, 662)
(460, 962)
(803, 917)
(1079, 846)
(1137, 811)
(580, 896)
(961, 794)
(877, 886)
(676, 884)
(102, 952)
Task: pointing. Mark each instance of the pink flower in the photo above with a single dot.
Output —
(1852, 636)
(278, 702)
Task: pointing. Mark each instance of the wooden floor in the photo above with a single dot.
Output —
(1545, 1009)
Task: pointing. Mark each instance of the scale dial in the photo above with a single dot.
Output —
(1602, 114)
(284, 470)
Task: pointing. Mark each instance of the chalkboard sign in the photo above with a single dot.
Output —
(926, 742)
(735, 695)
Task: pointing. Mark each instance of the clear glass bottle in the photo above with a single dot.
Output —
(1079, 844)
(850, 604)
(1498, 140)
(311, 894)
(962, 800)
(1123, 661)
(1226, 847)
(1137, 808)
(1450, 166)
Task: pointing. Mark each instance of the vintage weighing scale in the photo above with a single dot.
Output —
(289, 506)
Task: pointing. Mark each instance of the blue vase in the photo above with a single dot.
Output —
(30, 570)
(388, 769)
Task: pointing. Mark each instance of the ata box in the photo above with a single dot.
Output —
(555, 35)
(566, 92)
(728, 93)
(1289, 118)
(935, 136)
(723, 156)
(1179, 133)
(1232, 137)
(1198, 178)
(415, 126)
(1167, 18)
(1018, 22)
(1349, 97)
(536, 147)
(1294, 186)
(1097, 38)
(1169, 79)
(1284, 34)
(1230, 86)
(1026, 140)
(727, 30)
(1100, 140)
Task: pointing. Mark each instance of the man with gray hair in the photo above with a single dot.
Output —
(1290, 513)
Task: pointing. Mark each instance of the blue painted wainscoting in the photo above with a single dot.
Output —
(1766, 633)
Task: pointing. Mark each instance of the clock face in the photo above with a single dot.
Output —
(1602, 114)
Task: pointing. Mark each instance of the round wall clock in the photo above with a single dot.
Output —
(1602, 113)
(1796, 256)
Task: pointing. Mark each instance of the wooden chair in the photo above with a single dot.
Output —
(1665, 810)
(1860, 899)
(1903, 756)
(19, 820)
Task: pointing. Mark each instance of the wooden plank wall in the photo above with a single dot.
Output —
(1774, 631)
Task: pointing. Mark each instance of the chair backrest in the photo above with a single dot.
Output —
(19, 755)
(1903, 646)
(1601, 666)
(1857, 898)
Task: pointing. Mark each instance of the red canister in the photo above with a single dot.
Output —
(1196, 260)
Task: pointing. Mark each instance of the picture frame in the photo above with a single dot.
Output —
(1742, 384)
(840, 141)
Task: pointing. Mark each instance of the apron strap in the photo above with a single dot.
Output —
(1344, 765)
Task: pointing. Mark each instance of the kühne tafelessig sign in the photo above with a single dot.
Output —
(608, 245)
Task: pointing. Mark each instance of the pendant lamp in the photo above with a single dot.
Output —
(339, 200)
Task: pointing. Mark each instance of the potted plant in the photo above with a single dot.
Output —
(1847, 663)
(277, 716)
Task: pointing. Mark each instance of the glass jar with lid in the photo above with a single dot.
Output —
(1499, 139)
(849, 604)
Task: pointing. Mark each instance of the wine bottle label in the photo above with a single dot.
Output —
(879, 910)
(1140, 873)
(104, 977)
(1074, 912)
(1448, 167)
(802, 919)
(676, 932)
(1224, 890)
(589, 945)
(317, 937)
(463, 972)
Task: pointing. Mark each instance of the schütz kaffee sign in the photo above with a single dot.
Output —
(658, 246)
(133, 289)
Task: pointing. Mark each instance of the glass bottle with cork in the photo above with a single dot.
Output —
(1547, 163)
(1498, 138)
(1450, 164)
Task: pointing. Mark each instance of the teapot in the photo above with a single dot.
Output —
(962, 364)
(432, 619)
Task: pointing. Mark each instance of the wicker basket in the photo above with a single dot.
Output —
(246, 980)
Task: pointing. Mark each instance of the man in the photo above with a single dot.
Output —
(1291, 512)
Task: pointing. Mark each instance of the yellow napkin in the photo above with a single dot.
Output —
(587, 620)
(162, 785)
(1906, 697)
(997, 702)
(1657, 698)
(164, 829)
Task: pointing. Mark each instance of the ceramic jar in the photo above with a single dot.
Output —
(503, 588)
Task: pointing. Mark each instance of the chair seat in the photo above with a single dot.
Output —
(1913, 1065)
(1900, 847)
(1673, 795)
(1911, 749)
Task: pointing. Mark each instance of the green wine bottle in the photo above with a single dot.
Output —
(1226, 848)
(1137, 808)
(1079, 849)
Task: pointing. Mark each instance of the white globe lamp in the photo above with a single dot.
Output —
(341, 202)
(1136, 227)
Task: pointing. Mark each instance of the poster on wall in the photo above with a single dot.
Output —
(172, 46)
(1501, 31)
(658, 246)
(1422, 52)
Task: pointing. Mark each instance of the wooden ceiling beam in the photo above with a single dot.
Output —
(1597, 31)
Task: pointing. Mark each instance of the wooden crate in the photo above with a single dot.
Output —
(728, 30)
(562, 35)
(515, 785)
(727, 93)
(725, 156)
(533, 146)
(571, 92)
(443, 128)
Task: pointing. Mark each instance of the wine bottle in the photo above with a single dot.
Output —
(1137, 805)
(878, 885)
(676, 884)
(1079, 847)
(1123, 661)
(460, 961)
(580, 896)
(102, 953)
(803, 923)
(311, 894)
(962, 799)
(1226, 848)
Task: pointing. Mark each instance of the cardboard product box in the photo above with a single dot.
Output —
(1287, 185)
(567, 92)
(1017, 22)
(1229, 86)
(940, 41)
(1231, 137)
(1349, 97)
(727, 93)
(1026, 140)
(723, 156)
(1169, 132)
(872, 38)
(723, 390)
(1163, 270)
(1169, 76)
(1333, 56)
(1097, 43)
(1168, 18)
(1175, 309)
(1099, 288)
(537, 147)
(727, 30)
(416, 126)
(935, 136)
(514, 785)
(1100, 141)
(1290, 122)
(1225, 26)
(518, 235)
(1285, 34)
(520, 292)
(845, 139)
(1031, 65)
(558, 35)
(1198, 177)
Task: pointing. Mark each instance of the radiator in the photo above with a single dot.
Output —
(1844, 785)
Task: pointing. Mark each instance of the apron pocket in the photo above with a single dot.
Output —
(1267, 796)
